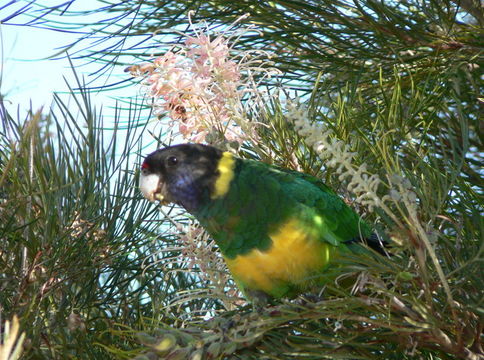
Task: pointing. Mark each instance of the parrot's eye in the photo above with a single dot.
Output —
(172, 161)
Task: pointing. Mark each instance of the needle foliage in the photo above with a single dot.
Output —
(390, 116)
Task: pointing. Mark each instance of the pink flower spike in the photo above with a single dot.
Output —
(199, 85)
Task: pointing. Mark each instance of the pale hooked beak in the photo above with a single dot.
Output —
(152, 188)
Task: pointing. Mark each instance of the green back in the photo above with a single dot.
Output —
(262, 197)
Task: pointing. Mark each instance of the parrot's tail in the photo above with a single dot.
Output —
(374, 241)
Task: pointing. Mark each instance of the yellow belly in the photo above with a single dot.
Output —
(294, 258)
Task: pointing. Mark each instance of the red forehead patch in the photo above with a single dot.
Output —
(145, 165)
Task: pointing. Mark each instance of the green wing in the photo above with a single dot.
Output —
(263, 197)
(321, 207)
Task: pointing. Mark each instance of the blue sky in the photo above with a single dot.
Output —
(27, 73)
(29, 76)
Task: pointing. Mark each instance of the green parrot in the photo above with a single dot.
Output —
(280, 231)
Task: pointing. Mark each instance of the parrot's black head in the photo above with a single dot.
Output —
(183, 174)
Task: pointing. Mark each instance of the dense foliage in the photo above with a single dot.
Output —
(388, 113)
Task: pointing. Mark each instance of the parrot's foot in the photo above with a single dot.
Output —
(259, 299)
(308, 299)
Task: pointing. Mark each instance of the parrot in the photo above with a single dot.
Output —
(279, 231)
